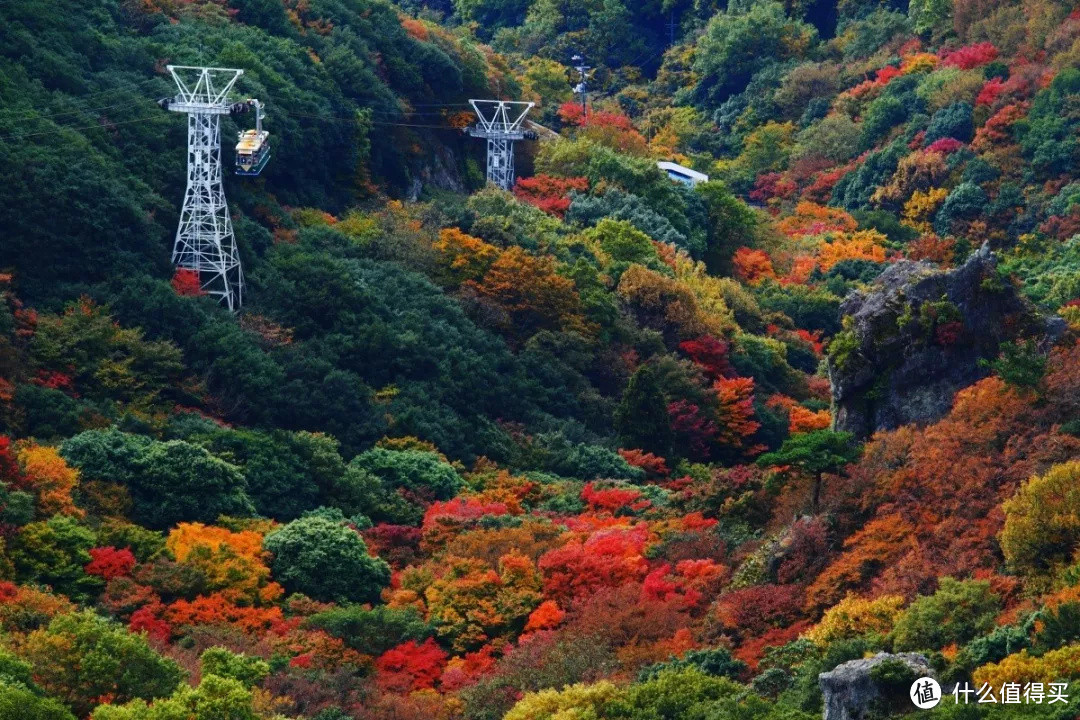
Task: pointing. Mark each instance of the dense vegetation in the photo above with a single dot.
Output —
(564, 452)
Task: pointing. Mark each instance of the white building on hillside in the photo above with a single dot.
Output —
(685, 175)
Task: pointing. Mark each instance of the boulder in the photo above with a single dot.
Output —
(850, 690)
(918, 335)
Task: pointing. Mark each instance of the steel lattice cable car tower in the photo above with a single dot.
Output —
(204, 240)
(499, 121)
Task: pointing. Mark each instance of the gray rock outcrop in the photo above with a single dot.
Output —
(918, 335)
(437, 169)
(850, 690)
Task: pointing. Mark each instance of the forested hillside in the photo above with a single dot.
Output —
(606, 446)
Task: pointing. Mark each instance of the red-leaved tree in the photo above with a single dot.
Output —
(549, 193)
(108, 562)
(186, 283)
(710, 354)
(411, 666)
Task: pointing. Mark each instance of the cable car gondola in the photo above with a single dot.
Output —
(252, 146)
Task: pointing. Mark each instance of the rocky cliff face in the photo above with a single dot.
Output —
(438, 168)
(918, 335)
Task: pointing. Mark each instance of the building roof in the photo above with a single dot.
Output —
(682, 170)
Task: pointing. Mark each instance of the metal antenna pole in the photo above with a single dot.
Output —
(204, 239)
(499, 121)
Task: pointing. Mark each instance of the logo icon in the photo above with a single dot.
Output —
(925, 693)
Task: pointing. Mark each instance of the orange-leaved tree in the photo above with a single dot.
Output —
(233, 562)
(463, 257)
(735, 413)
(50, 479)
(752, 266)
(531, 295)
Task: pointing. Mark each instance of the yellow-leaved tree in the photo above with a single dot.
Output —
(1055, 666)
(854, 616)
(573, 702)
(1042, 522)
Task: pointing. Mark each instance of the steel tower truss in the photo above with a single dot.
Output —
(204, 240)
(500, 121)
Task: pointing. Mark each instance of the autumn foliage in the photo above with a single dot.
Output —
(187, 283)
(582, 450)
(550, 194)
(109, 563)
(752, 265)
(44, 473)
(411, 666)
